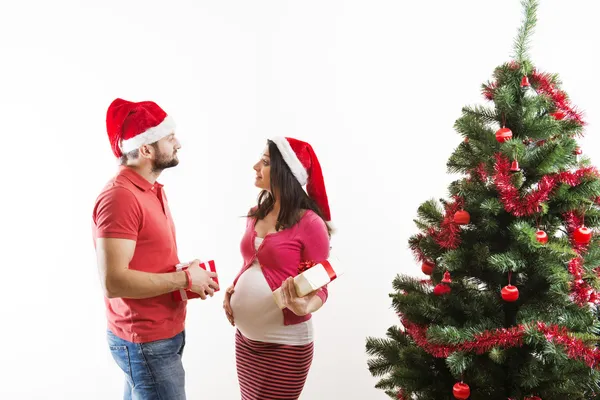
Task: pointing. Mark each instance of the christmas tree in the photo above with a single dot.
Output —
(509, 306)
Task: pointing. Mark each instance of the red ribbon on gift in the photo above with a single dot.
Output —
(326, 264)
(183, 294)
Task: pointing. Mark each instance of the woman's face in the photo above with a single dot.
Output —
(263, 171)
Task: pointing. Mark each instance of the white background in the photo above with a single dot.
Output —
(375, 86)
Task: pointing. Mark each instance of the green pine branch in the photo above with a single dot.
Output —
(505, 100)
(592, 256)
(483, 114)
(523, 39)
(459, 362)
(549, 158)
(463, 159)
(475, 127)
(430, 214)
(541, 128)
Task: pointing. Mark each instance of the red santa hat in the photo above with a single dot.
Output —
(131, 125)
(304, 164)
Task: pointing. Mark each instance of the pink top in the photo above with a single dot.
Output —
(281, 253)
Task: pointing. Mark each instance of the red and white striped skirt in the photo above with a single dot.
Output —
(270, 371)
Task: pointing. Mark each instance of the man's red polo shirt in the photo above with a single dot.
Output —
(130, 207)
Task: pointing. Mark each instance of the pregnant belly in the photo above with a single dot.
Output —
(254, 310)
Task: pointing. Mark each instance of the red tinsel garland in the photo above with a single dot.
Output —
(416, 249)
(544, 84)
(447, 235)
(506, 338)
(572, 221)
(481, 172)
(401, 395)
(575, 348)
(529, 205)
(513, 65)
(483, 342)
(581, 291)
(488, 90)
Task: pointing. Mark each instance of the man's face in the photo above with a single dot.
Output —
(165, 154)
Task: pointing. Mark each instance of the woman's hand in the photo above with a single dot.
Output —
(227, 305)
(299, 305)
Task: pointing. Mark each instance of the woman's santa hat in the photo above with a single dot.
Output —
(304, 164)
(131, 125)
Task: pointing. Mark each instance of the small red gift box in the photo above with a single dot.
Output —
(184, 295)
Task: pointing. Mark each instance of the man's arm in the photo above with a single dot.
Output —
(118, 280)
(117, 216)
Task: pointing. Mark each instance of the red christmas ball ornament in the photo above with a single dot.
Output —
(582, 235)
(514, 167)
(466, 140)
(503, 135)
(427, 268)
(541, 236)
(461, 391)
(510, 293)
(462, 217)
(525, 82)
(578, 151)
(441, 289)
(558, 115)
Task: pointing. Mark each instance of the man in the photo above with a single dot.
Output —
(136, 251)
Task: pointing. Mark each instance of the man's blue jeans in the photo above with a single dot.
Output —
(153, 370)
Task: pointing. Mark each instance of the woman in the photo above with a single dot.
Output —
(274, 347)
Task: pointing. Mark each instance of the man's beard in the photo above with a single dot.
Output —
(164, 161)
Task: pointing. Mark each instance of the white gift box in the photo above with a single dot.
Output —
(310, 280)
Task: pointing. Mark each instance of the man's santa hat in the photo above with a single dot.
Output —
(131, 125)
(304, 164)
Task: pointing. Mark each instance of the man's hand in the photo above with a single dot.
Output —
(202, 282)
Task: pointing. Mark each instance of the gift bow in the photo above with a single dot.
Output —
(305, 265)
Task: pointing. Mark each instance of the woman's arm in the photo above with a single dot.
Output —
(315, 241)
(317, 245)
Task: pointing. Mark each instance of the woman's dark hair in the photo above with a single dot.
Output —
(292, 197)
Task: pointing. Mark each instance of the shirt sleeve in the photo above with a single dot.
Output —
(117, 215)
(316, 245)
